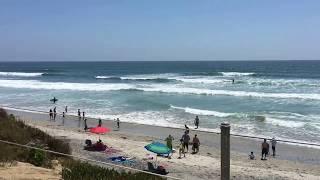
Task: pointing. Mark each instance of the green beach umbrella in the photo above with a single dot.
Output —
(158, 148)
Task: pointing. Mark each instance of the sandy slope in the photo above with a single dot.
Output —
(26, 171)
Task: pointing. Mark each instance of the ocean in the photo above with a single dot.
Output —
(271, 98)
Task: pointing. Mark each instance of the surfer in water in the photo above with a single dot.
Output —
(232, 81)
(54, 100)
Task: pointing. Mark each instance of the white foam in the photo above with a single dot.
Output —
(284, 123)
(229, 74)
(200, 80)
(102, 77)
(20, 74)
(35, 84)
(202, 112)
(186, 90)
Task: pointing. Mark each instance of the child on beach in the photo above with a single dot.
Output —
(251, 156)
(169, 140)
(181, 149)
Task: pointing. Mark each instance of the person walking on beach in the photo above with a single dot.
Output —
(196, 122)
(118, 123)
(83, 114)
(273, 146)
(169, 140)
(100, 123)
(181, 149)
(85, 125)
(186, 139)
(50, 114)
(66, 109)
(196, 144)
(264, 147)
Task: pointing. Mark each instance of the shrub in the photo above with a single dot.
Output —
(74, 170)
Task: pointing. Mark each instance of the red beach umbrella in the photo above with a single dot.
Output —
(100, 130)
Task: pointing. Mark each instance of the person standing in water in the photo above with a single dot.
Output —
(63, 114)
(79, 113)
(66, 109)
(83, 114)
(54, 113)
(50, 114)
(196, 122)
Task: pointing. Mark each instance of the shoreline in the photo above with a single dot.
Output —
(293, 162)
(201, 130)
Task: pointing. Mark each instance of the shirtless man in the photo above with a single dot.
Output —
(265, 149)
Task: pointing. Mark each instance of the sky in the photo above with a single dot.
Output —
(162, 30)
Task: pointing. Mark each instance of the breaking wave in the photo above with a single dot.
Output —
(20, 74)
(202, 112)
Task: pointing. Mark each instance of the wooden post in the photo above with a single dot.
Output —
(225, 151)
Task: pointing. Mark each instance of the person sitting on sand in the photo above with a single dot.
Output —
(264, 147)
(169, 140)
(251, 156)
(181, 149)
(196, 144)
(100, 123)
(196, 122)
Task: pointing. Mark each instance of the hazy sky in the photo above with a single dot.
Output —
(40, 30)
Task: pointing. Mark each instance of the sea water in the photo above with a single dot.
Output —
(266, 99)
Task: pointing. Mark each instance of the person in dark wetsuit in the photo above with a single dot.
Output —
(79, 113)
(83, 114)
(54, 113)
(85, 125)
(100, 123)
(66, 109)
(50, 114)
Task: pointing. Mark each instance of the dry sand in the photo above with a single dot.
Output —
(294, 162)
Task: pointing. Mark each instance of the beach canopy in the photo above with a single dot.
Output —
(158, 148)
(99, 130)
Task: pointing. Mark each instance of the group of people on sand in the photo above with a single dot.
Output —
(185, 141)
(265, 149)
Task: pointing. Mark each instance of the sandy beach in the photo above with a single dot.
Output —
(291, 162)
